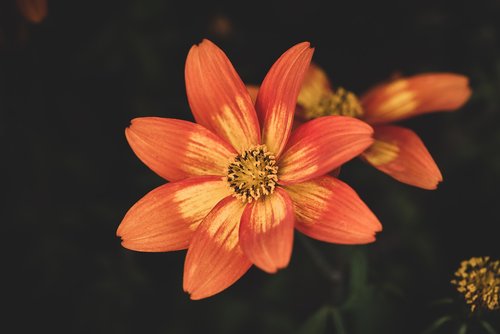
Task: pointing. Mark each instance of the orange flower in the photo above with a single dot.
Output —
(33, 10)
(240, 180)
(397, 151)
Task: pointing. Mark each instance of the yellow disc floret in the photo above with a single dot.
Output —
(253, 174)
(478, 279)
(341, 102)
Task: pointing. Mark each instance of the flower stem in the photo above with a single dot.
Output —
(332, 274)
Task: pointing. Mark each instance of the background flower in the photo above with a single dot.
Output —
(33, 10)
(396, 151)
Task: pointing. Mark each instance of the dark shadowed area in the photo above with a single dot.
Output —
(70, 85)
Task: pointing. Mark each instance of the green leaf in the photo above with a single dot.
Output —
(462, 329)
(358, 271)
(438, 323)
(316, 324)
(487, 327)
(338, 322)
(358, 277)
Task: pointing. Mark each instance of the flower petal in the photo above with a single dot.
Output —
(278, 93)
(177, 149)
(329, 210)
(411, 96)
(253, 91)
(166, 218)
(320, 145)
(218, 98)
(314, 87)
(400, 153)
(215, 260)
(266, 231)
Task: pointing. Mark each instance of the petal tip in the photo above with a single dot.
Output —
(195, 294)
(186, 285)
(205, 44)
(269, 270)
(370, 240)
(431, 186)
(190, 293)
(432, 182)
(132, 123)
(206, 41)
(119, 232)
(303, 45)
(141, 122)
(307, 47)
(127, 131)
(272, 267)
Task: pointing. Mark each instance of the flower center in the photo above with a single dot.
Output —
(478, 279)
(341, 102)
(253, 174)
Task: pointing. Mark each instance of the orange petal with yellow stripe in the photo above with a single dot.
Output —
(321, 145)
(411, 96)
(218, 98)
(215, 260)
(266, 231)
(253, 91)
(278, 93)
(314, 87)
(329, 210)
(400, 153)
(177, 149)
(166, 218)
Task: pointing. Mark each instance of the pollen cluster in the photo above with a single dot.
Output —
(252, 174)
(478, 279)
(341, 103)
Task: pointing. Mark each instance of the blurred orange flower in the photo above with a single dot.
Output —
(240, 178)
(396, 151)
(33, 10)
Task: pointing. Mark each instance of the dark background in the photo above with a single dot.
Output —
(70, 85)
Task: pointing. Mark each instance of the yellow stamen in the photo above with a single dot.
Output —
(478, 279)
(253, 174)
(341, 102)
